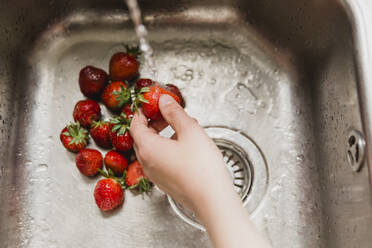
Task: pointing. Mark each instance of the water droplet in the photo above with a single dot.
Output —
(28, 162)
(212, 81)
(42, 167)
(261, 104)
(300, 158)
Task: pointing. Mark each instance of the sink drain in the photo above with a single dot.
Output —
(246, 166)
(238, 166)
(355, 150)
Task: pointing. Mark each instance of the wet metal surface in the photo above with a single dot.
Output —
(283, 73)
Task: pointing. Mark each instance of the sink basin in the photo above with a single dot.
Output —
(279, 81)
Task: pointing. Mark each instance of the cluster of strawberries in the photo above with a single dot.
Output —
(122, 94)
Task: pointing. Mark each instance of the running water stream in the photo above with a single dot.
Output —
(141, 32)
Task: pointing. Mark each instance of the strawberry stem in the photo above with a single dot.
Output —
(79, 134)
(123, 96)
(133, 51)
(110, 174)
(96, 124)
(139, 98)
(143, 185)
(121, 124)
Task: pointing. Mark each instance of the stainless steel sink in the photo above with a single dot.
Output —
(279, 81)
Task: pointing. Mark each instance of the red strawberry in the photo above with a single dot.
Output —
(143, 82)
(135, 179)
(149, 98)
(119, 134)
(116, 162)
(87, 111)
(89, 161)
(121, 142)
(127, 110)
(108, 194)
(100, 132)
(124, 65)
(74, 137)
(92, 81)
(115, 95)
(174, 89)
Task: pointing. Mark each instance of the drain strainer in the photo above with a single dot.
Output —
(246, 165)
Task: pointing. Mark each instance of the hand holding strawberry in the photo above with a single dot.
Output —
(148, 97)
(192, 157)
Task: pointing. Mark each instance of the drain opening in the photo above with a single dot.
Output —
(355, 151)
(246, 166)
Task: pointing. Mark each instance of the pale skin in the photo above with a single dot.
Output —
(190, 168)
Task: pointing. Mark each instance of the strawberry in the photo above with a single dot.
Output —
(100, 132)
(127, 110)
(119, 134)
(108, 194)
(121, 142)
(89, 161)
(116, 162)
(92, 81)
(116, 95)
(73, 137)
(143, 82)
(87, 111)
(135, 179)
(149, 98)
(174, 89)
(124, 65)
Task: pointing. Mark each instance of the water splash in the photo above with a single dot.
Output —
(141, 32)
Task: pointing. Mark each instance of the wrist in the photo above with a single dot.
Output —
(218, 207)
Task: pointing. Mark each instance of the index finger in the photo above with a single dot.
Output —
(139, 129)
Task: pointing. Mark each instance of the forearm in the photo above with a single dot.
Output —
(228, 223)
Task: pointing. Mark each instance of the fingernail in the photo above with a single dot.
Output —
(166, 99)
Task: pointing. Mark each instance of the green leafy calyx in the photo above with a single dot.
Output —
(97, 124)
(110, 174)
(79, 134)
(121, 124)
(139, 98)
(123, 96)
(143, 185)
(133, 51)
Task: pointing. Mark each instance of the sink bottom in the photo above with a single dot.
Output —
(283, 105)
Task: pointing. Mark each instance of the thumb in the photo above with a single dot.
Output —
(175, 115)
